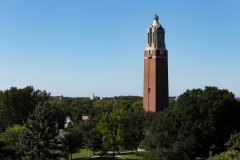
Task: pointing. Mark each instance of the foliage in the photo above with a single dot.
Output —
(2, 150)
(16, 104)
(123, 128)
(233, 151)
(214, 115)
(113, 127)
(201, 121)
(72, 140)
(60, 106)
(163, 141)
(135, 128)
(10, 142)
(94, 140)
(92, 137)
(227, 155)
(234, 142)
(78, 108)
(37, 138)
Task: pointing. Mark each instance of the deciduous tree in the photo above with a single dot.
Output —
(135, 128)
(16, 104)
(113, 127)
(72, 140)
(201, 122)
(10, 142)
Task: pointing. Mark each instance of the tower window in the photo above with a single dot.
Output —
(148, 38)
(153, 37)
(148, 90)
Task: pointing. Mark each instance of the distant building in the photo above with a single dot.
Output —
(68, 121)
(85, 118)
(155, 96)
(173, 98)
(93, 97)
(61, 97)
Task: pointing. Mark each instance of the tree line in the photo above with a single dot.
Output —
(203, 123)
(32, 124)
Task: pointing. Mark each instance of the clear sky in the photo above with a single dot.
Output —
(79, 47)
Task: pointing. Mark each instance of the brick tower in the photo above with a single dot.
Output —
(155, 96)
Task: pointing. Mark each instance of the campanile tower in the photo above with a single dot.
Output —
(155, 96)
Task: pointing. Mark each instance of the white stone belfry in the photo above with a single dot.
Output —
(155, 34)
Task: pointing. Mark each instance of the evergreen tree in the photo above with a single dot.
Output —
(38, 134)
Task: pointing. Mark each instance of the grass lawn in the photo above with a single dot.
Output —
(132, 155)
(82, 154)
(86, 154)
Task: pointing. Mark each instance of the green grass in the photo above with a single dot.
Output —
(85, 154)
(82, 154)
(133, 156)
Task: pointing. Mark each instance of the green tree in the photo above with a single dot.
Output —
(16, 104)
(92, 135)
(2, 150)
(233, 151)
(60, 105)
(227, 155)
(201, 121)
(164, 141)
(113, 127)
(77, 108)
(10, 142)
(72, 140)
(135, 128)
(214, 115)
(37, 138)
(94, 140)
(234, 142)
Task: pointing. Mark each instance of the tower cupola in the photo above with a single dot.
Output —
(155, 35)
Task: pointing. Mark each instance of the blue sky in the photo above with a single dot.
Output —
(76, 48)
